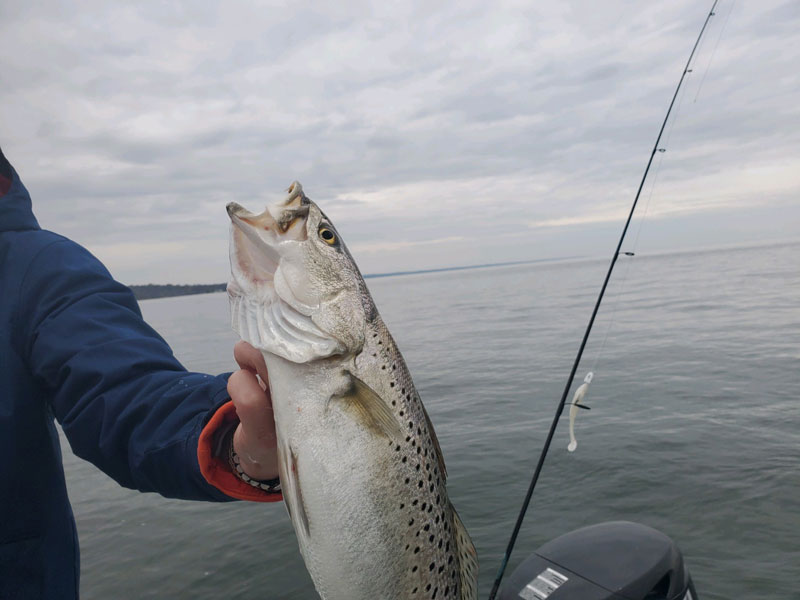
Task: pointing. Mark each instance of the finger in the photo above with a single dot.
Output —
(253, 407)
(251, 359)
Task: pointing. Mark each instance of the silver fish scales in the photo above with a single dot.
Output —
(361, 469)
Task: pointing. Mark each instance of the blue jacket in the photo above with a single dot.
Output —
(74, 348)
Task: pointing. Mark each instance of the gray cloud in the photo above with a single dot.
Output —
(432, 136)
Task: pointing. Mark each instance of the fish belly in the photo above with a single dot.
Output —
(369, 523)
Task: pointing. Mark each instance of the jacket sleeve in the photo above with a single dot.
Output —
(123, 400)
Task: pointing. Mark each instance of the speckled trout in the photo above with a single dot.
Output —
(361, 470)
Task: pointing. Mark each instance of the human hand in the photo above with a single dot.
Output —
(254, 439)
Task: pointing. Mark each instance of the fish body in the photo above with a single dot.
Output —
(361, 470)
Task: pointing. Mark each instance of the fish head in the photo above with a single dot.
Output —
(295, 290)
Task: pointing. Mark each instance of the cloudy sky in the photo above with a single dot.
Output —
(433, 134)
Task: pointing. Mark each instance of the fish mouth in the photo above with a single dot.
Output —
(256, 239)
(285, 219)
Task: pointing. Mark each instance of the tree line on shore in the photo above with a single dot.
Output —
(152, 290)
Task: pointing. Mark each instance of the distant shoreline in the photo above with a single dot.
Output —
(146, 292)
(170, 290)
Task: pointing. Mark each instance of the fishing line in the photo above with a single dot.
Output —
(615, 256)
(656, 172)
(635, 246)
(631, 253)
(714, 51)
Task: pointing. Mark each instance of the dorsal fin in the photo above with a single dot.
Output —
(467, 559)
(370, 409)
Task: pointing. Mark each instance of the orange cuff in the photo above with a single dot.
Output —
(216, 470)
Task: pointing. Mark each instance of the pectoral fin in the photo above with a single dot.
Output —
(370, 409)
(290, 487)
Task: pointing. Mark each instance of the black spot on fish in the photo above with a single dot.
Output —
(391, 384)
(411, 522)
(405, 458)
(431, 567)
(416, 550)
(414, 570)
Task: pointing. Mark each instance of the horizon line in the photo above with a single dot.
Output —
(715, 248)
(466, 267)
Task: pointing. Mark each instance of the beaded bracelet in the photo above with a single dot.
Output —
(270, 485)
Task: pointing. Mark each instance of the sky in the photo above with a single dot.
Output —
(433, 134)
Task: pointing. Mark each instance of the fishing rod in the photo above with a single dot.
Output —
(576, 363)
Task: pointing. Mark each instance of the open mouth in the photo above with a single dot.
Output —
(256, 238)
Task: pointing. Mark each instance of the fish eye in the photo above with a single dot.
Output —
(327, 235)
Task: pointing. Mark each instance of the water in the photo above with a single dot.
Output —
(695, 427)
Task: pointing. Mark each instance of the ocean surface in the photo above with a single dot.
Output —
(694, 427)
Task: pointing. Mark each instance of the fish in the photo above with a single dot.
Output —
(361, 470)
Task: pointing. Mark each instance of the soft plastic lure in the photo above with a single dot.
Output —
(580, 393)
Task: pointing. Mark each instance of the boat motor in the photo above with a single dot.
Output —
(608, 561)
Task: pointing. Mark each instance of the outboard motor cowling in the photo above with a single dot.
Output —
(609, 561)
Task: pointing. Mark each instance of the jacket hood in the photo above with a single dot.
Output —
(16, 212)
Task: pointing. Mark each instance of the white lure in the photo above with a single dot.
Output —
(580, 393)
